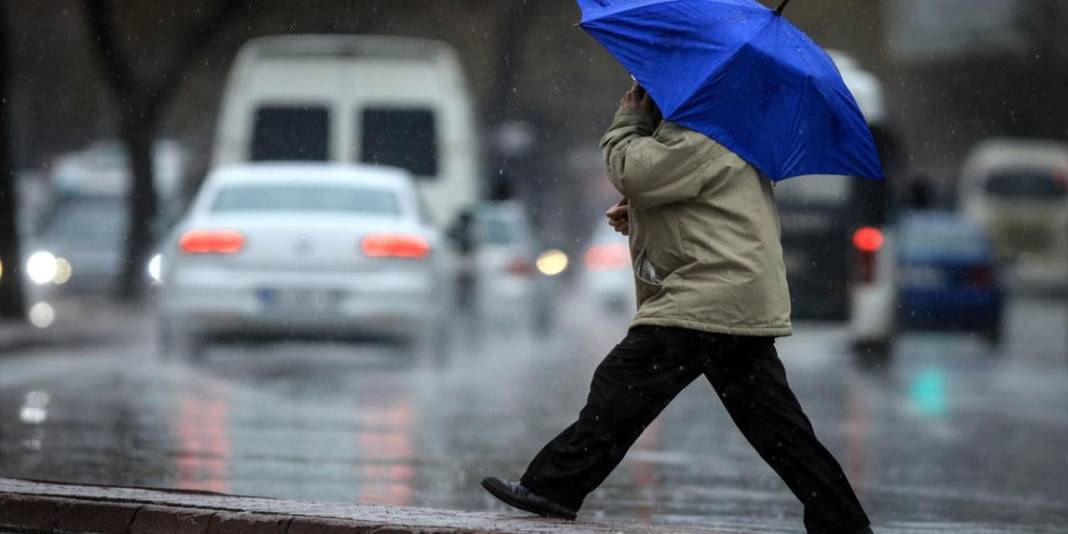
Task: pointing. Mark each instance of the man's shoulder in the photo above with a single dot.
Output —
(706, 147)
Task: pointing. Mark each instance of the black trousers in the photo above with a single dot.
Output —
(647, 370)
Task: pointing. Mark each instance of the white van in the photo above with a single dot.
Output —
(356, 99)
(1018, 190)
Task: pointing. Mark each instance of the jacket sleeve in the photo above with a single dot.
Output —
(651, 167)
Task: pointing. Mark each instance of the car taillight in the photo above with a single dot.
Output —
(867, 241)
(387, 245)
(211, 242)
(1060, 178)
(980, 277)
(520, 267)
(607, 257)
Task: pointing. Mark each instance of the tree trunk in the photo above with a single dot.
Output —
(12, 305)
(514, 24)
(141, 102)
(141, 208)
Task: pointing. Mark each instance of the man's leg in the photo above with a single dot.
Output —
(637, 379)
(751, 382)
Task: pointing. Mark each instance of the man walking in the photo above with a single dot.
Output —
(712, 298)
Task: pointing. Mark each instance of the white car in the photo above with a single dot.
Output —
(309, 250)
(79, 248)
(505, 254)
(607, 272)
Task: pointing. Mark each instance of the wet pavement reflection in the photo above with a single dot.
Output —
(946, 435)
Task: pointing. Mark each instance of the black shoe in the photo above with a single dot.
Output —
(516, 495)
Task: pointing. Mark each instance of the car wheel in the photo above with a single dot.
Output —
(873, 352)
(165, 340)
(180, 344)
(992, 335)
(194, 348)
(438, 345)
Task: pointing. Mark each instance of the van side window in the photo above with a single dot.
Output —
(290, 133)
(400, 137)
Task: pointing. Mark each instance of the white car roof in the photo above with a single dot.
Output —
(340, 174)
(996, 153)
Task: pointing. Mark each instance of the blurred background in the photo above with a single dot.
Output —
(354, 251)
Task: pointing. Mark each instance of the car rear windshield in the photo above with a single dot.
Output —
(502, 227)
(400, 137)
(321, 198)
(948, 242)
(290, 133)
(1025, 184)
(499, 232)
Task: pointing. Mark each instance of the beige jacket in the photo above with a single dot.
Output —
(704, 230)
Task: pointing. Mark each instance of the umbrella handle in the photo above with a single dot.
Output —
(782, 6)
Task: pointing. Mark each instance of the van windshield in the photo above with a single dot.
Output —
(291, 133)
(89, 221)
(400, 137)
(1025, 184)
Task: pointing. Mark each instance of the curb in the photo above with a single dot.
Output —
(49, 507)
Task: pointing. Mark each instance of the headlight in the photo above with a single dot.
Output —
(552, 262)
(42, 315)
(63, 272)
(155, 268)
(42, 267)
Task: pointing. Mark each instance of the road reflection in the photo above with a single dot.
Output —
(201, 430)
(644, 472)
(369, 432)
(928, 392)
(858, 432)
(387, 470)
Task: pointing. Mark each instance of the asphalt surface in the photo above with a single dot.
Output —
(948, 436)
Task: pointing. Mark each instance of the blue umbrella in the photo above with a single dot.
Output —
(743, 75)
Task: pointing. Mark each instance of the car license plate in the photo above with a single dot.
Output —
(299, 300)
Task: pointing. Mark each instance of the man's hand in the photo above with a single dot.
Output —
(636, 99)
(619, 218)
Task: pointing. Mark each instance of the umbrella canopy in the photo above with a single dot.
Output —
(743, 75)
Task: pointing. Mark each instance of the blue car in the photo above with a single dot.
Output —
(948, 277)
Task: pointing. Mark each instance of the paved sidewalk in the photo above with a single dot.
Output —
(48, 507)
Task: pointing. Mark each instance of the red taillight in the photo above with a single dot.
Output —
(395, 246)
(211, 242)
(868, 239)
(1060, 178)
(608, 257)
(521, 267)
(980, 277)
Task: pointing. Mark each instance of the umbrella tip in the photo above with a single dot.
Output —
(782, 6)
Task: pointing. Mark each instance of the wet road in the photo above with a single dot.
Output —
(948, 437)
